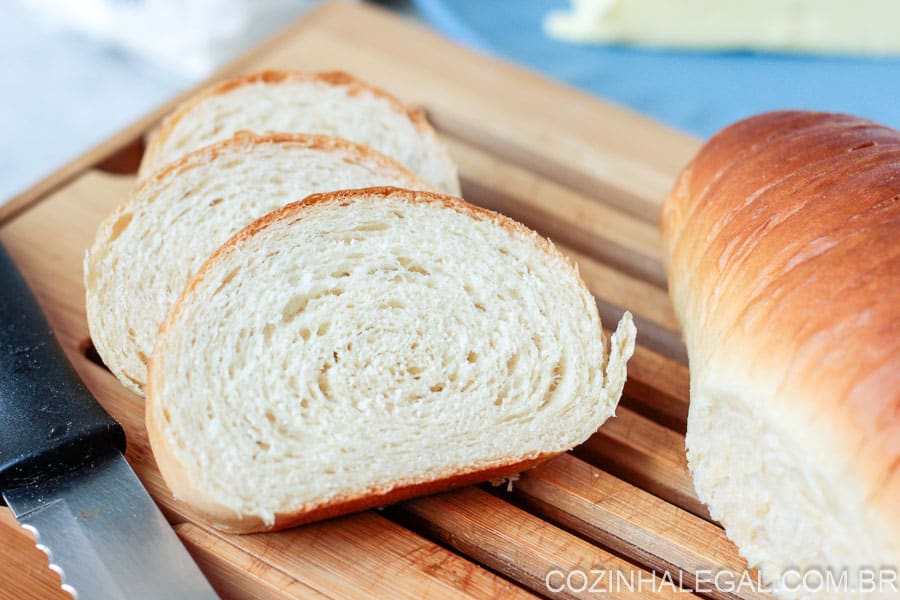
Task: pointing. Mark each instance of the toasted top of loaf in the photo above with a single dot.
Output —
(146, 251)
(359, 346)
(784, 267)
(331, 103)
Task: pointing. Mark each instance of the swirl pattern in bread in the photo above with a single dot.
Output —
(361, 347)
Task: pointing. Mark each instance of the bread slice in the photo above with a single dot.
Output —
(335, 104)
(146, 251)
(361, 347)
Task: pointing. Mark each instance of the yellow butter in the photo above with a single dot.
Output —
(814, 26)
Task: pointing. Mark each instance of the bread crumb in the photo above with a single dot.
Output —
(507, 480)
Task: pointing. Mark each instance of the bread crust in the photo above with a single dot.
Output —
(334, 78)
(357, 154)
(781, 239)
(225, 518)
(343, 197)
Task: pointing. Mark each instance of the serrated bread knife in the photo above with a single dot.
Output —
(63, 474)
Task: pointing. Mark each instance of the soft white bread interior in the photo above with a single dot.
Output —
(784, 268)
(361, 347)
(334, 104)
(146, 251)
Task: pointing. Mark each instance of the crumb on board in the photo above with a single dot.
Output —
(507, 480)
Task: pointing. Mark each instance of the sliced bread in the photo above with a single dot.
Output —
(146, 251)
(361, 347)
(335, 104)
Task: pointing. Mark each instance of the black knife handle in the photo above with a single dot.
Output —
(49, 422)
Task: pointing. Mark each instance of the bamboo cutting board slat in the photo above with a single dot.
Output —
(589, 175)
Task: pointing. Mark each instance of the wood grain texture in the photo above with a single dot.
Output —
(660, 386)
(591, 177)
(645, 454)
(235, 573)
(365, 554)
(24, 572)
(524, 547)
(623, 241)
(637, 524)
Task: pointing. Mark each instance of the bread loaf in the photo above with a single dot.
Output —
(360, 347)
(146, 251)
(335, 104)
(783, 244)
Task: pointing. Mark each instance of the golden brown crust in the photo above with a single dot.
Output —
(225, 519)
(782, 242)
(357, 153)
(335, 78)
(757, 141)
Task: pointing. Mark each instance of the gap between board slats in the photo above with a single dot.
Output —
(584, 221)
(552, 167)
(234, 573)
(362, 555)
(659, 388)
(521, 545)
(616, 292)
(646, 454)
(637, 524)
(650, 335)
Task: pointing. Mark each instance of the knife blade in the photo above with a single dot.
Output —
(63, 473)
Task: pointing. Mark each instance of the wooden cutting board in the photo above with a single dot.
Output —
(589, 175)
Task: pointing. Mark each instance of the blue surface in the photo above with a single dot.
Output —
(692, 91)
